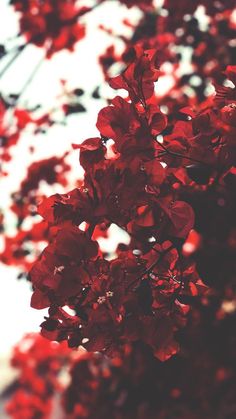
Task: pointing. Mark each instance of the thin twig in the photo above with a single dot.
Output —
(150, 268)
(11, 61)
(182, 156)
(29, 80)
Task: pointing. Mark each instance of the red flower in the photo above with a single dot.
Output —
(50, 24)
(117, 120)
(92, 151)
(38, 367)
(55, 275)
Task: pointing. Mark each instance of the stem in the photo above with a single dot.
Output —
(90, 230)
(182, 156)
(11, 61)
(172, 153)
(181, 283)
(156, 262)
(30, 78)
(150, 268)
(143, 100)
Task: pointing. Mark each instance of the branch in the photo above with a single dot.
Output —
(11, 61)
(182, 156)
(29, 80)
(150, 268)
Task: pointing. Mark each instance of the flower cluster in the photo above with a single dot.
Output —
(185, 8)
(204, 34)
(50, 24)
(127, 392)
(26, 241)
(21, 248)
(137, 296)
(14, 119)
(138, 386)
(39, 364)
